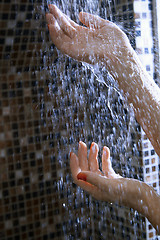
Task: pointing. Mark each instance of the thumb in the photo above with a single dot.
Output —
(101, 182)
(112, 188)
(91, 21)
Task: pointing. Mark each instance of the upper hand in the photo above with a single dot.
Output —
(99, 41)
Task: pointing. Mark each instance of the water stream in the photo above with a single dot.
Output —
(49, 102)
(89, 107)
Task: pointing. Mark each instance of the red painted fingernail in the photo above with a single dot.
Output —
(70, 154)
(92, 144)
(82, 176)
(48, 26)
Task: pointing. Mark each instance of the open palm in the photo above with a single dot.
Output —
(86, 173)
(99, 41)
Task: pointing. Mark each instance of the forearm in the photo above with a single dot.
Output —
(142, 92)
(130, 193)
(152, 203)
(126, 192)
(144, 199)
(147, 111)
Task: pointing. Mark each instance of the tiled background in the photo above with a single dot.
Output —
(48, 102)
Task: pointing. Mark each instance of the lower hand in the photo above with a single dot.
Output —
(102, 185)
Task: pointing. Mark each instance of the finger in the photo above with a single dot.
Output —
(91, 21)
(75, 170)
(106, 162)
(50, 18)
(82, 156)
(107, 165)
(70, 21)
(92, 160)
(74, 165)
(58, 37)
(75, 25)
(112, 188)
(64, 24)
(94, 179)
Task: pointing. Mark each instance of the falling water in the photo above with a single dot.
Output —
(72, 101)
(87, 105)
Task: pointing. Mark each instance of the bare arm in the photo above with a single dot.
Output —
(144, 95)
(103, 42)
(130, 193)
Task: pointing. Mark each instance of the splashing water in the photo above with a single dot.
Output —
(86, 104)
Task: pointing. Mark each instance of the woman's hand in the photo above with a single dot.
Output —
(103, 185)
(99, 41)
(111, 187)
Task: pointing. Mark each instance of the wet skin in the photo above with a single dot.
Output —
(102, 42)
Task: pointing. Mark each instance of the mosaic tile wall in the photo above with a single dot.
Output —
(48, 102)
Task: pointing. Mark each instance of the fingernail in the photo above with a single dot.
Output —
(48, 26)
(104, 150)
(79, 145)
(49, 5)
(93, 147)
(92, 144)
(70, 154)
(82, 176)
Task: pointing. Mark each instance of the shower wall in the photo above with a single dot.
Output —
(48, 103)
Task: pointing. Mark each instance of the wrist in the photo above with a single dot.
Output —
(128, 72)
(133, 194)
(138, 197)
